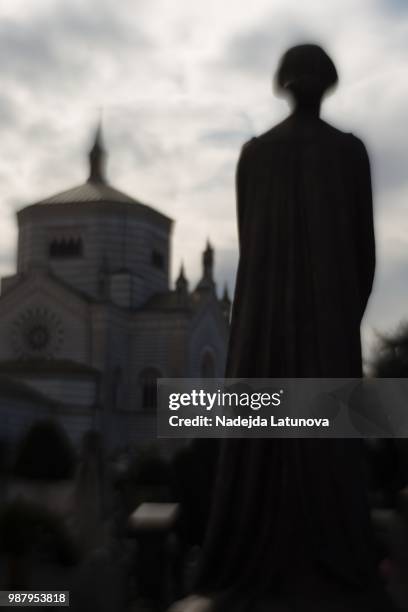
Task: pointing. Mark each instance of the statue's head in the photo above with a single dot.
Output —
(306, 73)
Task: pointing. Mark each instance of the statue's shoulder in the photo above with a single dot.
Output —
(356, 142)
(249, 144)
(355, 147)
(261, 145)
(348, 137)
(246, 151)
(256, 142)
(275, 133)
(281, 134)
(349, 146)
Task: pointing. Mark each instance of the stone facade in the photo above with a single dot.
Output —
(89, 321)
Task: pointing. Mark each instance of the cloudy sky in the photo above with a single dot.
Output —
(182, 85)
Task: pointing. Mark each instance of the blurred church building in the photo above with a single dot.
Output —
(89, 321)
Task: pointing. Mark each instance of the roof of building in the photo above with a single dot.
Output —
(174, 300)
(168, 300)
(38, 366)
(97, 189)
(89, 192)
(18, 389)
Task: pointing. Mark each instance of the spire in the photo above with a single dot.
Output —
(182, 282)
(208, 262)
(207, 280)
(97, 158)
(226, 303)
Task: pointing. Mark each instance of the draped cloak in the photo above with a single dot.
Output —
(306, 268)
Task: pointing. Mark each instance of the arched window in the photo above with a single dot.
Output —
(65, 247)
(148, 387)
(157, 259)
(207, 366)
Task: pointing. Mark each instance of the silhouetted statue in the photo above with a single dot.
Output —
(290, 518)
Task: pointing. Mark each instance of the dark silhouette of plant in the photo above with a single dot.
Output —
(45, 453)
(390, 358)
(389, 458)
